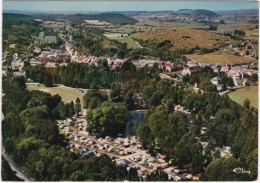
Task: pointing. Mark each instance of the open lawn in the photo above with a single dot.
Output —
(67, 94)
(219, 57)
(241, 94)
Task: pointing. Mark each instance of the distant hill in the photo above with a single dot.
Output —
(198, 12)
(112, 18)
(181, 39)
(245, 12)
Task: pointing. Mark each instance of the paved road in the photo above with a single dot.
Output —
(18, 172)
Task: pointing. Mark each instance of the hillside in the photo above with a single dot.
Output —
(198, 12)
(181, 38)
(116, 19)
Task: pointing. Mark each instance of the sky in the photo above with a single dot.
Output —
(126, 5)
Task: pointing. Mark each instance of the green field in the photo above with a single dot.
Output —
(241, 94)
(130, 42)
(67, 94)
(42, 39)
(119, 30)
(50, 39)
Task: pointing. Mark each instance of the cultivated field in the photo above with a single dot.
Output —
(184, 38)
(233, 26)
(252, 34)
(241, 94)
(53, 24)
(114, 35)
(193, 25)
(96, 22)
(219, 57)
(67, 94)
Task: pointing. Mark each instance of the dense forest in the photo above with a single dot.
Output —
(17, 29)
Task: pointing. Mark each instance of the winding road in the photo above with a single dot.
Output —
(13, 167)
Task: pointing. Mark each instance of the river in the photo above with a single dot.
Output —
(138, 115)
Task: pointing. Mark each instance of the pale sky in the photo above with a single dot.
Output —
(126, 5)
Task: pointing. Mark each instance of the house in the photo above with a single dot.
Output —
(219, 87)
(244, 66)
(17, 65)
(192, 63)
(232, 46)
(12, 45)
(178, 67)
(16, 56)
(243, 53)
(215, 69)
(224, 69)
(64, 64)
(234, 72)
(252, 71)
(137, 64)
(34, 62)
(19, 73)
(191, 70)
(204, 64)
(50, 65)
(215, 80)
(37, 50)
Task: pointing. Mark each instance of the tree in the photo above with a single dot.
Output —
(183, 151)
(77, 106)
(77, 176)
(145, 136)
(214, 173)
(136, 126)
(170, 105)
(246, 103)
(48, 82)
(129, 130)
(251, 161)
(108, 119)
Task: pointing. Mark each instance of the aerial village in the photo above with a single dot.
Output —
(128, 151)
(51, 58)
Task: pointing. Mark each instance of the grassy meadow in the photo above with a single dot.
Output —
(41, 39)
(184, 38)
(219, 57)
(130, 42)
(241, 94)
(67, 94)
